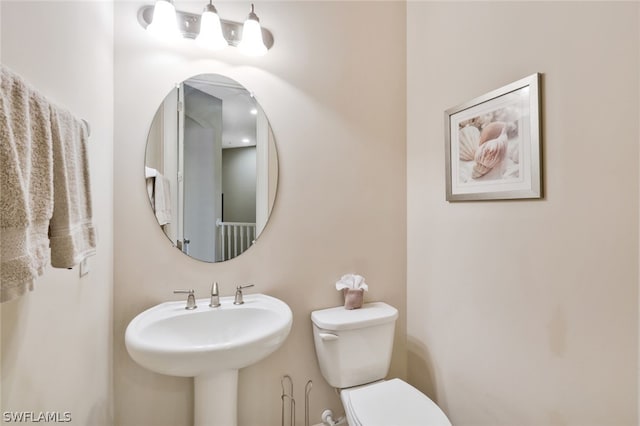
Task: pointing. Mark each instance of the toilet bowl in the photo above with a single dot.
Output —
(353, 348)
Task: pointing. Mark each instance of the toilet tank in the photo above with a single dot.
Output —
(354, 346)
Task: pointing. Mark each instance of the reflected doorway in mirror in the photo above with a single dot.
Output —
(211, 168)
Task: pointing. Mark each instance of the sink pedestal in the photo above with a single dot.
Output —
(216, 398)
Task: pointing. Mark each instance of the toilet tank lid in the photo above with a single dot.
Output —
(339, 318)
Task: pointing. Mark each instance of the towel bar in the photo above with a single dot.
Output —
(86, 123)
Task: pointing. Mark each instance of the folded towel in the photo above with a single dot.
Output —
(162, 199)
(26, 184)
(150, 172)
(159, 191)
(71, 230)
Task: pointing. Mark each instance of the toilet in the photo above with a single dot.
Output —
(354, 352)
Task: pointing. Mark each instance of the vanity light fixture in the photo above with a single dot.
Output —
(251, 43)
(163, 24)
(207, 29)
(210, 35)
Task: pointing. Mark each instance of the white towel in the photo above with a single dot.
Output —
(71, 230)
(26, 179)
(149, 175)
(150, 172)
(159, 191)
(162, 199)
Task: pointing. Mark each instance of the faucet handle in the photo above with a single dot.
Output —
(191, 298)
(238, 300)
(215, 296)
(241, 287)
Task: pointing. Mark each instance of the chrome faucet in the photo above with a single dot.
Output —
(191, 298)
(215, 296)
(238, 300)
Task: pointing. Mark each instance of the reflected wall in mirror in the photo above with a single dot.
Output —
(211, 168)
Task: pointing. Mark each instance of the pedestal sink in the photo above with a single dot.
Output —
(209, 344)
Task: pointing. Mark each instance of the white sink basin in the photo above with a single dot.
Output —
(171, 340)
(209, 344)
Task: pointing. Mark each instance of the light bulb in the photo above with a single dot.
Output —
(252, 43)
(164, 24)
(210, 35)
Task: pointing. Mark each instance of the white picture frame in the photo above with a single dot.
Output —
(493, 144)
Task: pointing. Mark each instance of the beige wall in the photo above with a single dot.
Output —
(333, 88)
(518, 312)
(526, 313)
(57, 340)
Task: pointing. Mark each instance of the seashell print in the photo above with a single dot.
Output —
(480, 170)
(490, 154)
(492, 131)
(506, 114)
(482, 120)
(514, 151)
(512, 172)
(468, 137)
(512, 129)
(467, 122)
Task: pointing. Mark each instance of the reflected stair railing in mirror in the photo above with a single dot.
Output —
(235, 237)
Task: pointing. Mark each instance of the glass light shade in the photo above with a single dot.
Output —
(164, 24)
(252, 43)
(210, 35)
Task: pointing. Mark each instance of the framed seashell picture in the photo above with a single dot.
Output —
(493, 144)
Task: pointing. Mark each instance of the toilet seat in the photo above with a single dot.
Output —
(391, 403)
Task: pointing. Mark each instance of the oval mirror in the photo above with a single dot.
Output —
(211, 168)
